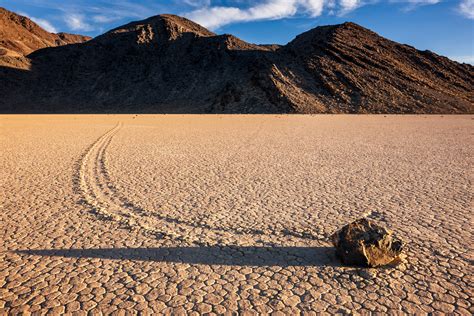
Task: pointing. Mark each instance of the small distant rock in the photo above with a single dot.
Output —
(364, 243)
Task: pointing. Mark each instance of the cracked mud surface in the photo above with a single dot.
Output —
(218, 214)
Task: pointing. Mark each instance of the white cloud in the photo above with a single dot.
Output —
(469, 59)
(212, 15)
(421, 2)
(45, 24)
(101, 18)
(41, 22)
(313, 7)
(348, 6)
(466, 8)
(198, 3)
(215, 17)
(76, 22)
(80, 17)
(411, 5)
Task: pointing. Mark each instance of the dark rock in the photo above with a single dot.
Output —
(364, 243)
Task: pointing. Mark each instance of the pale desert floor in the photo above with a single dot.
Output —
(167, 214)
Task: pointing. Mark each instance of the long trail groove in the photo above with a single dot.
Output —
(92, 180)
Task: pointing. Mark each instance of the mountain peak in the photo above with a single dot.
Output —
(177, 25)
(350, 25)
(170, 64)
(329, 33)
(163, 27)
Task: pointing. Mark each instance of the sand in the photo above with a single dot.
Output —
(213, 213)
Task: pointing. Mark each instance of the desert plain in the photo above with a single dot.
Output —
(194, 214)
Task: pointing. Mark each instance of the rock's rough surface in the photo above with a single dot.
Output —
(364, 243)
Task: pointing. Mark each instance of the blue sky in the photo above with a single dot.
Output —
(443, 26)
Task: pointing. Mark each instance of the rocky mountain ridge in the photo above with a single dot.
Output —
(168, 64)
(20, 36)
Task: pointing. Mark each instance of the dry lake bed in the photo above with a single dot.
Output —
(181, 214)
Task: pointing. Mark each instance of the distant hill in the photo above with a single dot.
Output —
(168, 64)
(19, 36)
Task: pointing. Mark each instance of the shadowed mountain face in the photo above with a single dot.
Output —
(19, 36)
(168, 64)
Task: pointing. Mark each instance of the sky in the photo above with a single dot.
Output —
(445, 27)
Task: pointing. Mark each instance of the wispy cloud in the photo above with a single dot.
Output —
(198, 3)
(93, 16)
(469, 59)
(76, 22)
(466, 8)
(347, 6)
(84, 16)
(41, 22)
(420, 2)
(103, 18)
(410, 5)
(215, 17)
(45, 24)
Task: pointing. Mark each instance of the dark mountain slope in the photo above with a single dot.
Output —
(348, 68)
(162, 64)
(170, 64)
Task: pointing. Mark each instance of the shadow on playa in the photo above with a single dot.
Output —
(215, 255)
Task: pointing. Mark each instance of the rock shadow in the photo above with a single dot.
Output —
(213, 255)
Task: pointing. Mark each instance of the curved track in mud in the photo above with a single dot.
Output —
(98, 192)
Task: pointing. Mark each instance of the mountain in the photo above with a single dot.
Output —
(168, 64)
(347, 68)
(19, 36)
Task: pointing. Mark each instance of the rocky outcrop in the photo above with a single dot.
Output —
(364, 243)
(350, 69)
(168, 64)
